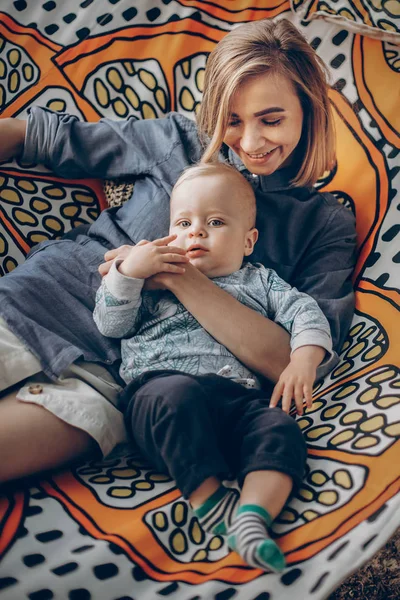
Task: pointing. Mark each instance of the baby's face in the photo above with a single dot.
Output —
(211, 224)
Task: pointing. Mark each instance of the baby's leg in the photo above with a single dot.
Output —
(263, 496)
(273, 454)
(172, 420)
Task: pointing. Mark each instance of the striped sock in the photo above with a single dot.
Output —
(217, 512)
(248, 536)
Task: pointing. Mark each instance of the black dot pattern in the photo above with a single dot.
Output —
(65, 569)
(226, 594)
(20, 5)
(105, 571)
(44, 594)
(49, 536)
(79, 594)
(153, 14)
(129, 14)
(104, 567)
(32, 560)
(7, 582)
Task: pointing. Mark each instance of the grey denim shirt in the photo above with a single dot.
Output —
(307, 237)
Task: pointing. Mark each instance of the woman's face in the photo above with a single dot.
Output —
(265, 123)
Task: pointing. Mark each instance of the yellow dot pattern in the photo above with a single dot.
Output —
(18, 72)
(179, 533)
(127, 483)
(189, 76)
(367, 415)
(365, 343)
(41, 211)
(323, 490)
(129, 89)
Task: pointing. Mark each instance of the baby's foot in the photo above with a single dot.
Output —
(218, 511)
(248, 536)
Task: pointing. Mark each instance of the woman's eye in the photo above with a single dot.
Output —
(272, 123)
(216, 223)
(233, 123)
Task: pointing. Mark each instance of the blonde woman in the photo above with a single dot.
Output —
(265, 110)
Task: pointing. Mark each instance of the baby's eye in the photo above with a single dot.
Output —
(216, 223)
(184, 224)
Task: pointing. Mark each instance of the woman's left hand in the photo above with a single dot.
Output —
(167, 281)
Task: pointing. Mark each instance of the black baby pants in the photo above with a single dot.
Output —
(197, 426)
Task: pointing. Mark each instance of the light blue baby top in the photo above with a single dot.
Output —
(159, 333)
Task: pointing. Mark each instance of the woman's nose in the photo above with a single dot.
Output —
(251, 140)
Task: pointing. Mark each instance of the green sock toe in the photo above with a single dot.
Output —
(220, 529)
(271, 555)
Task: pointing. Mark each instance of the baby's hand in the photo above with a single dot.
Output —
(148, 258)
(297, 380)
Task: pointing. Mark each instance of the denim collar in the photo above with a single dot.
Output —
(278, 181)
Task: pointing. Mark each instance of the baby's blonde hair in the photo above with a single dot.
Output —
(242, 186)
(276, 47)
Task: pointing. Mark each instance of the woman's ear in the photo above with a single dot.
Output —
(250, 240)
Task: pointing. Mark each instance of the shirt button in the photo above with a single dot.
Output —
(254, 176)
(35, 389)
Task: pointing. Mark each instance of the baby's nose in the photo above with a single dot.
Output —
(198, 232)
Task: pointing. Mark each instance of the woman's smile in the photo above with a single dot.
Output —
(261, 157)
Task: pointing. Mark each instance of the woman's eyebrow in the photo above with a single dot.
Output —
(265, 111)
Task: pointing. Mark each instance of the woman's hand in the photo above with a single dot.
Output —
(169, 281)
(12, 137)
(297, 380)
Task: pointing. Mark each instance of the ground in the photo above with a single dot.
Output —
(379, 579)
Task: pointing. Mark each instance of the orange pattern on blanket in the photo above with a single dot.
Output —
(353, 429)
(239, 11)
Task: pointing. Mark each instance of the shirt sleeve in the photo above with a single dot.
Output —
(301, 316)
(106, 149)
(326, 270)
(118, 301)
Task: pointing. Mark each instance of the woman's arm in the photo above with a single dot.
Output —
(105, 149)
(12, 136)
(262, 345)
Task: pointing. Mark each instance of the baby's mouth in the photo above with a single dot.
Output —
(196, 250)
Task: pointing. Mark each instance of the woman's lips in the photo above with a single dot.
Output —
(259, 158)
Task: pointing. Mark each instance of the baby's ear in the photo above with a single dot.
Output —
(251, 238)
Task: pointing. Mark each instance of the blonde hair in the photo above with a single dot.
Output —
(275, 47)
(242, 186)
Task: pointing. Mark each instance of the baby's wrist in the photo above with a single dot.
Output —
(310, 353)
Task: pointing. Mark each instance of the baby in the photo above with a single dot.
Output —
(193, 408)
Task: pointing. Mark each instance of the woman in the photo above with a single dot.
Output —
(265, 110)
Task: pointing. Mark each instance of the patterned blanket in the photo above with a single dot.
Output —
(116, 529)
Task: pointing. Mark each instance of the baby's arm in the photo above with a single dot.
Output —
(119, 297)
(311, 341)
(118, 301)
